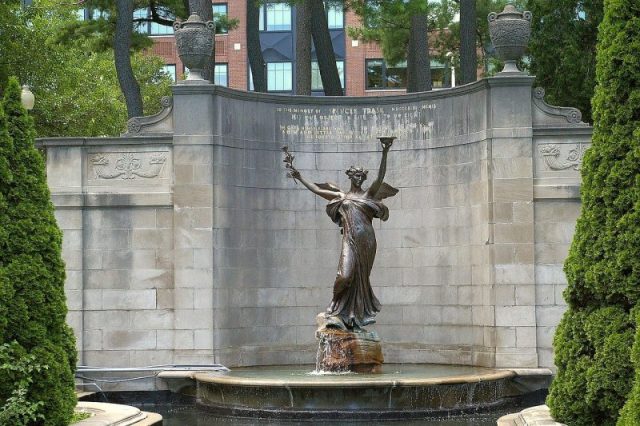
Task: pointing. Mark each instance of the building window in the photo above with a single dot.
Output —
(81, 14)
(440, 75)
(141, 27)
(159, 29)
(221, 75)
(146, 26)
(316, 78)
(170, 70)
(91, 14)
(219, 9)
(275, 17)
(380, 75)
(279, 76)
(335, 15)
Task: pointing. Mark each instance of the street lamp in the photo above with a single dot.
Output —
(26, 98)
(453, 69)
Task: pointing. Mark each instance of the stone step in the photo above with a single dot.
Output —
(104, 414)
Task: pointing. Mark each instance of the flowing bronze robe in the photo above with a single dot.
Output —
(354, 303)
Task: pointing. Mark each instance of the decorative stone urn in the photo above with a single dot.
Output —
(194, 40)
(510, 31)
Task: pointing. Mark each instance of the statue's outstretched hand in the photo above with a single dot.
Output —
(386, 143)
(294, 173)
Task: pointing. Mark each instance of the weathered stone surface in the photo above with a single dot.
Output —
(219, 255)
(342, 351)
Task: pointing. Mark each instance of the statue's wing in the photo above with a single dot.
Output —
(329, 186)
(385, 191)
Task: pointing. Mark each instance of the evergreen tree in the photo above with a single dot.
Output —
(630, 414)
(594, 339)
(468, 42)
(563, 50)
(32, 275)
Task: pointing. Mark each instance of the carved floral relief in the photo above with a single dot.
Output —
(128, 165)
(551, 153)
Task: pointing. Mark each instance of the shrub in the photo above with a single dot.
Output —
(17, 371)
(630, 413)
(32, 274)
(593, 342)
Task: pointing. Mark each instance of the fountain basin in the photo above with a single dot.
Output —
(401, 391)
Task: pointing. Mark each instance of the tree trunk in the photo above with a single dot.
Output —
(121, 52)
(205, 11)
(418, 63)
(468, 54)
(254, 50)
(303, 48)
(324, 50)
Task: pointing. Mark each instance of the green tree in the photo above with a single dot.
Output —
(303, 48)
(254, 49)
(563, 50)
(76, 88)
(593, 341)
(33, 277)
(401, 27)
(630, 414)
(468, 42)
(324, 49)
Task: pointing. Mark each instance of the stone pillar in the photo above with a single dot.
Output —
(192, 221)
(64, 175)
(511, 220)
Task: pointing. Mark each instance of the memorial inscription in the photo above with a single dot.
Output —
(356, 123)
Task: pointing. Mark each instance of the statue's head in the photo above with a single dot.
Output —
(357, 175)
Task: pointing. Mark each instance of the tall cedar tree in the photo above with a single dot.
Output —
(401, 28)
(563, 50)
(303, 48)
(33, 270)
(594, 339)
(324, 50)
(122, 56)
(468, 42)
(254, 49)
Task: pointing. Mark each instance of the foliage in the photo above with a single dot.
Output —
(630, 413)
(594, 339)
(563, 50)
(33, 273)
(100, 28)
(593, 348)
(387, 22)
(76, 90)
(79, 416)
(17, 371)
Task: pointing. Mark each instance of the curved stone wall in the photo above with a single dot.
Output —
(185, 241)
(276, 251)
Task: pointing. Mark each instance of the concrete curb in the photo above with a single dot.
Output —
(104, 414)
(534, 416)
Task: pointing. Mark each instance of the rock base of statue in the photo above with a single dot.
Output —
(341, 351)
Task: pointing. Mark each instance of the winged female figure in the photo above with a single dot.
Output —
(353, 305)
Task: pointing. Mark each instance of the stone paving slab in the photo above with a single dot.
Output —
(533, 416)
(104, 414)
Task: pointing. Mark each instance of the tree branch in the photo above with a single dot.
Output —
(157, 18)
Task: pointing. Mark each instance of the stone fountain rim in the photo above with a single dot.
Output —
(353, 381)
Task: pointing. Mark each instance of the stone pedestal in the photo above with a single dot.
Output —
(342, 351)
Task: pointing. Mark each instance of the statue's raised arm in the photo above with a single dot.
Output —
(378, 188)
(326, 191)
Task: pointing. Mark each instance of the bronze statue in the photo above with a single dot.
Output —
(353, 305)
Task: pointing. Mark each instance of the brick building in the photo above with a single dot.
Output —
(362, 69)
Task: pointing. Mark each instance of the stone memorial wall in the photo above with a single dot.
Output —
(185, 242)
